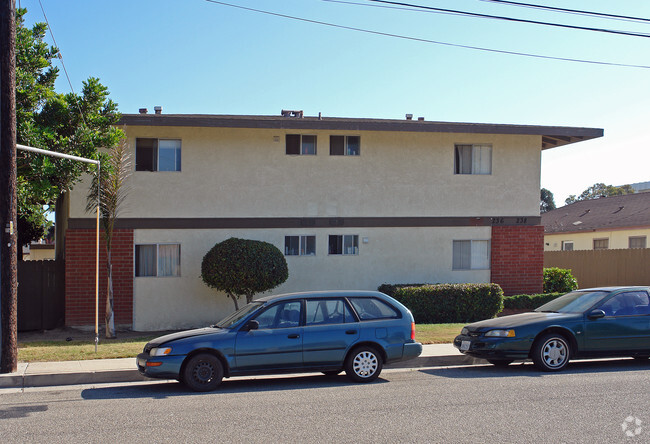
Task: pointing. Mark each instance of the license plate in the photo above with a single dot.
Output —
(464, 346)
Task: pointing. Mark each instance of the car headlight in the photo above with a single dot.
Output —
(464, 331)
(160, 351)
(501, 333)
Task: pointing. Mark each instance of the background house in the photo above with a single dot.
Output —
(353, 203)
(598, 224)
(603, 241)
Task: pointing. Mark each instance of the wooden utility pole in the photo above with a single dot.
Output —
(8, 236)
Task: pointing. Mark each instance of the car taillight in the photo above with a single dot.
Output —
(413, 330)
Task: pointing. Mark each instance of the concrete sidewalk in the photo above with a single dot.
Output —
(99, 371)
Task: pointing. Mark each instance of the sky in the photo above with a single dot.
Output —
(203, 57)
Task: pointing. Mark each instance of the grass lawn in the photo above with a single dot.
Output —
(126, 348)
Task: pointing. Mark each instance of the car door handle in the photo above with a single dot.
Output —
(350, 332)
(293, 336)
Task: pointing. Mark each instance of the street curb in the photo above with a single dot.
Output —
(22, 379)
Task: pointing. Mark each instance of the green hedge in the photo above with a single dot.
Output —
(448, 303)
(528, 301)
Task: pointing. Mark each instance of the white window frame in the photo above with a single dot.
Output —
(476, 245)
(567, 243)
(344, 240)
(302, 245)
(157, 260)
(478, 152)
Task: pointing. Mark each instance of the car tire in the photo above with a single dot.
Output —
(203, 373)
(551, 352)
(500, 362)
(363, 364)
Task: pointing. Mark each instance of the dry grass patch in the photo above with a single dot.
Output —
(437, 333)
(42, 351)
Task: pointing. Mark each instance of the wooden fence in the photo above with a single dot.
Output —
(41, 295)
(599, 268)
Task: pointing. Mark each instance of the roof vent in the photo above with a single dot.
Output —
(292, 113)
(157, 109)
(409, 117)
(143, 110)
(421, 119)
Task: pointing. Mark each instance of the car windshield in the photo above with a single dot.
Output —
(237, 316)
(574, 302)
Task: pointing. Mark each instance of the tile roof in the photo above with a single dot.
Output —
(628, 210)
(552, 136)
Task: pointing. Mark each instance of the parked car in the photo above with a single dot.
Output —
(330, 332)
(595, 322)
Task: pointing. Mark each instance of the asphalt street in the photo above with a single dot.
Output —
(590, 402)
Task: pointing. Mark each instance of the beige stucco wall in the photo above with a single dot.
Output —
(585, 241)
(246, 173)
(423, 255)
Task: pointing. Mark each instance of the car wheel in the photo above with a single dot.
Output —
(364, 364)
(203, 373)
(500, 362)
(331, 372)
(551, 352)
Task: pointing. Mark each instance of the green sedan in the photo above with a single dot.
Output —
(590, 323)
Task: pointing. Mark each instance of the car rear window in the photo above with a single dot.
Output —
(373, 308)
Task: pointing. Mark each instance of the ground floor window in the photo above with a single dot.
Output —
(601, 244)
(567, 245)
(300, 245)
(471, 255)
(347, 244)
(157, 260)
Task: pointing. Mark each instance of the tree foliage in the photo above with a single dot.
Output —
(600, 190)
(242, 267)
(75, 124)
(546, 201)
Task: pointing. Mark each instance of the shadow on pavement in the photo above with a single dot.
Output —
(528, 369)
(238, 385)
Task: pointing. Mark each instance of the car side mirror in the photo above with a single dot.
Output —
(251, 325)
(596, 314)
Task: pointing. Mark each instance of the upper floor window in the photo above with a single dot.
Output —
(345, 145)
(298, 144)
(471, 255)
(473, 159)
(637, 242)
(157, 154)
(344, 244)
(601, 244)
(157, 260)
(300, 245)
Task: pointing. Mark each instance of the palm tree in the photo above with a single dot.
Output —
(113, 177)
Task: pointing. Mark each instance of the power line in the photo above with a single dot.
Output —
(512, 19)
(62, 64)
(455, 45)
(570, 11)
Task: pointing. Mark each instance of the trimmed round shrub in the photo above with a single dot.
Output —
(242, 267)
(559, 280)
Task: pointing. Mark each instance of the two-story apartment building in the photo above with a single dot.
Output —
(352, 203)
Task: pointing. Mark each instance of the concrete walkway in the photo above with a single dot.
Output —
(99, 371)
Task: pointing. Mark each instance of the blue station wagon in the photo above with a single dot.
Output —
(329, 332)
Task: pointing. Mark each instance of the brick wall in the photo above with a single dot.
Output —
(518, 258)
(80, 277)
